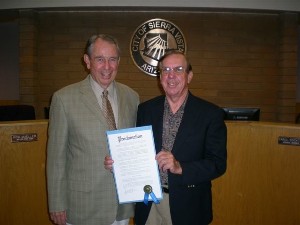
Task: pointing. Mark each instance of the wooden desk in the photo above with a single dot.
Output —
(23, 199)
(260, 187)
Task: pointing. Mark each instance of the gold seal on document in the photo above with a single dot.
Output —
(147, 189)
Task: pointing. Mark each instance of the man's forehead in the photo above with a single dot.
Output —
(175, 58)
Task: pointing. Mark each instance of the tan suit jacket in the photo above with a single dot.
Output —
(76, 179)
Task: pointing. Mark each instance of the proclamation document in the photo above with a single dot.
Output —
(135, 169)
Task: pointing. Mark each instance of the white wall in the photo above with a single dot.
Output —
(286, 5)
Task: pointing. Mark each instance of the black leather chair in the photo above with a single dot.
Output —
(46, 112)
(297, 119)
(17, 112)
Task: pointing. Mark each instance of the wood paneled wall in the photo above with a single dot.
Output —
(260, 187)
(239, 59)
(9, 102)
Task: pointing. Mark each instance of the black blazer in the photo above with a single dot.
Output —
(200, 147)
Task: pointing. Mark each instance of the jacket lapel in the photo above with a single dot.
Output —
(90, 101)
(122, 107)
(186, 123)
(157, 123)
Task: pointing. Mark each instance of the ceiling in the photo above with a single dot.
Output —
(278, 5)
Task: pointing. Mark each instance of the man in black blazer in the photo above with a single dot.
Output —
(190, 139)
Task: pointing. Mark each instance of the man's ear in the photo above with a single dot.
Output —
(190, 76)
(86, 59)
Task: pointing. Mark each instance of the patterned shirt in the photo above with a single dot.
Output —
(171, 123)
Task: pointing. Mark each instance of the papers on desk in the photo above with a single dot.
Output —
(135, 167)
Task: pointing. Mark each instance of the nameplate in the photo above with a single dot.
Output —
(27, 137)
(289, 140)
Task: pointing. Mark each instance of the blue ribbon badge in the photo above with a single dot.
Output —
(148, 191)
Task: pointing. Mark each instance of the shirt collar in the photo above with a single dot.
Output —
(98, 89)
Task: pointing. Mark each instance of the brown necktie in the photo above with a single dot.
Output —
(107, 110)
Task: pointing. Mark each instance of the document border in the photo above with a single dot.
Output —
(128, 134)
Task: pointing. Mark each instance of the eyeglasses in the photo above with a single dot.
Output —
(111, 60)
(178, 70)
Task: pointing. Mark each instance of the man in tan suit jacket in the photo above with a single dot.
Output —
(80, 190)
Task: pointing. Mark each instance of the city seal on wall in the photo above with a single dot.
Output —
(151, 40)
